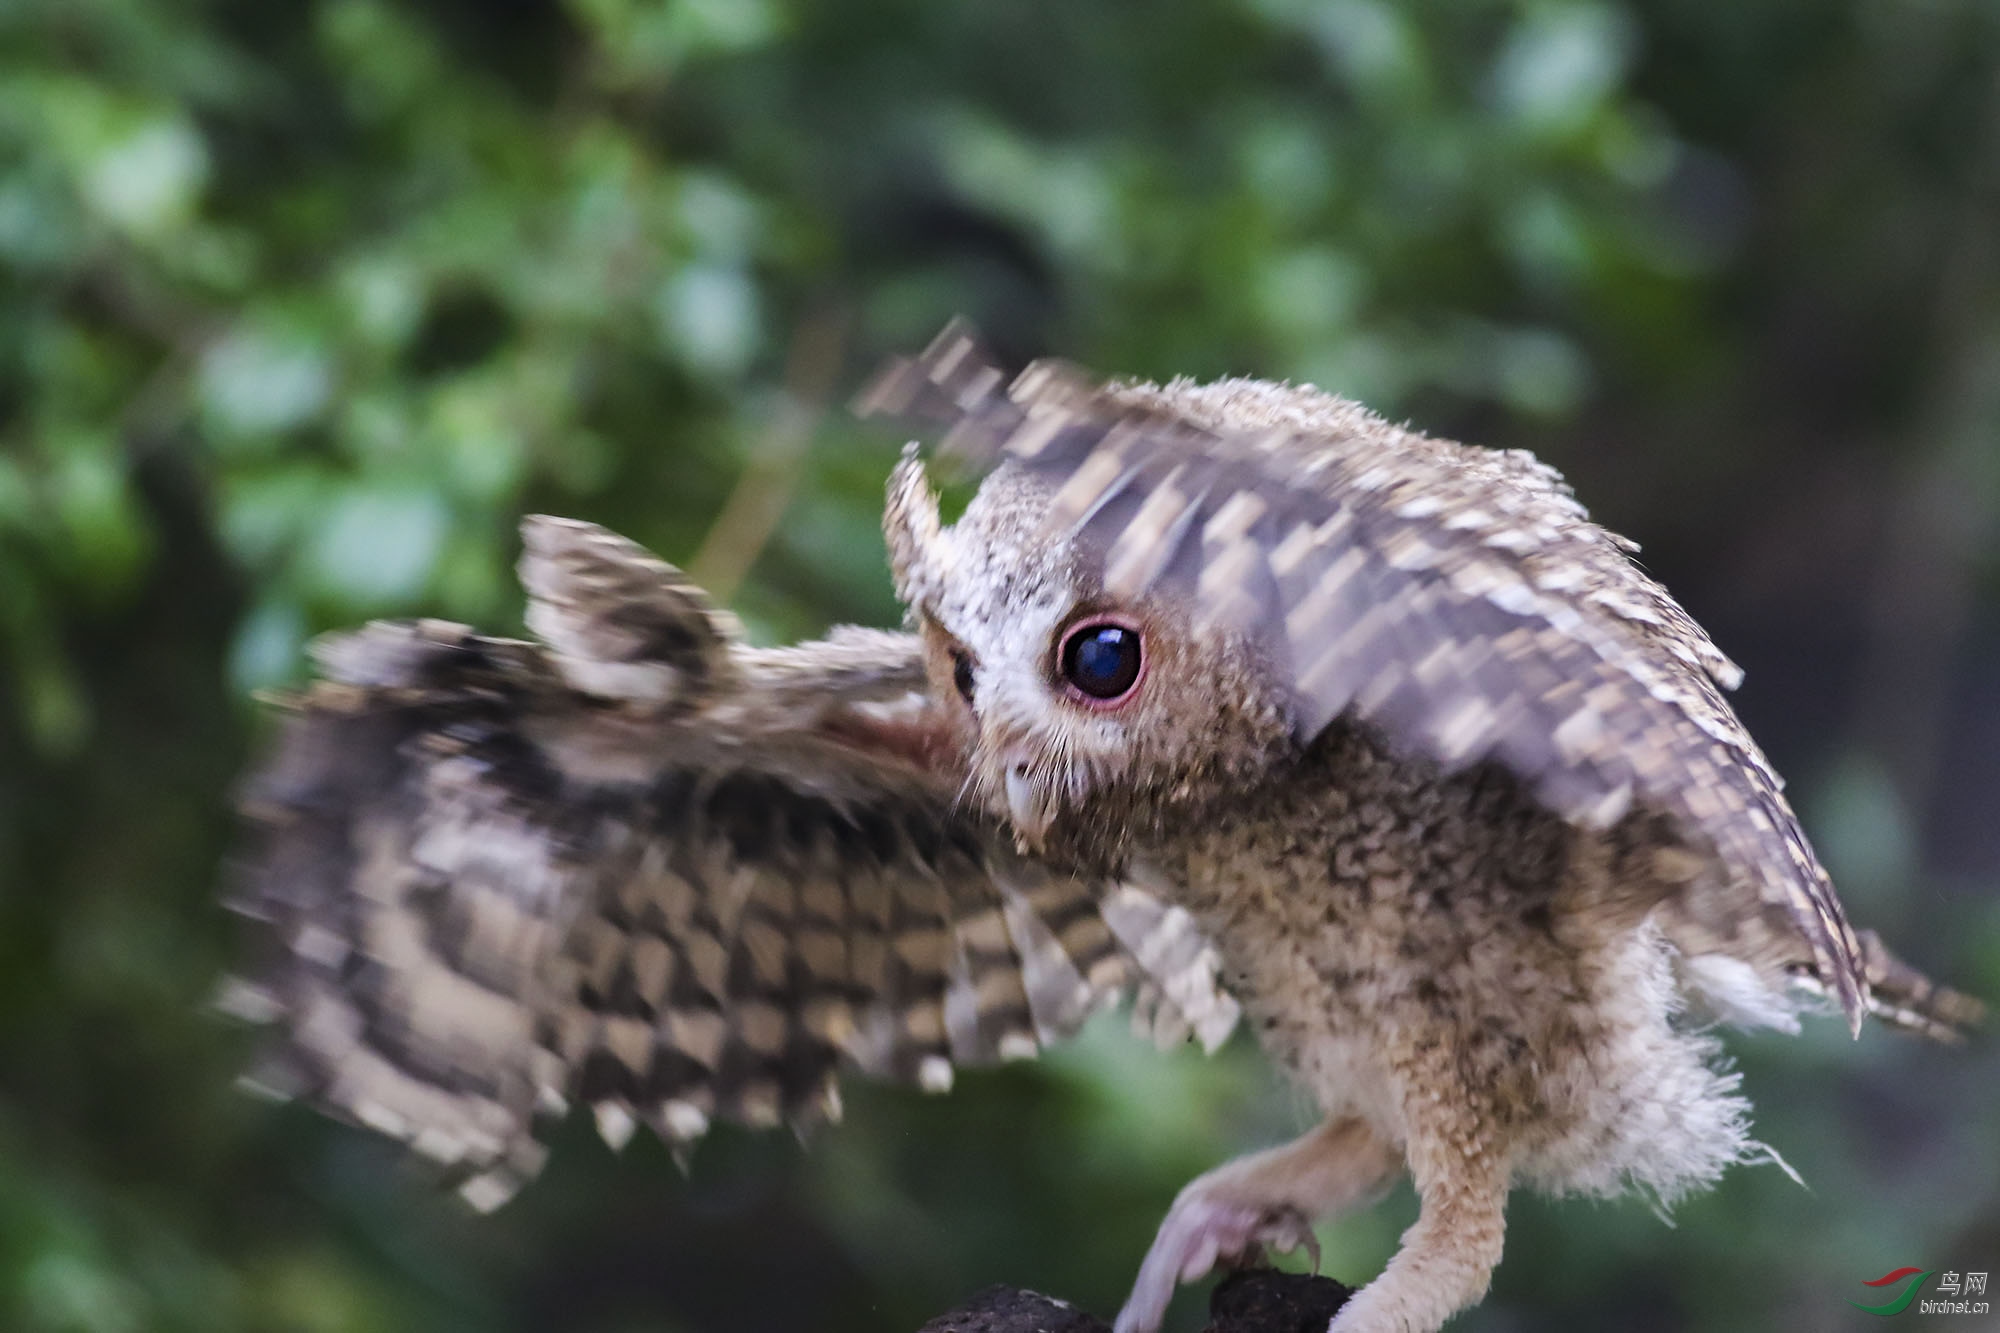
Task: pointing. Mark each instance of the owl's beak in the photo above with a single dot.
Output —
(1029, 806)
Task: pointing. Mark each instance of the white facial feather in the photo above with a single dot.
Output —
(1001, 588)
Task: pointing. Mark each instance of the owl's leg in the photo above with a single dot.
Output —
(1267, 1198)
(1447, 1257)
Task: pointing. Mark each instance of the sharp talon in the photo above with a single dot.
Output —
(1241, 1213)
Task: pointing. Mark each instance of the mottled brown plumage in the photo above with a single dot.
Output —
(1417, 767)
(502, 877)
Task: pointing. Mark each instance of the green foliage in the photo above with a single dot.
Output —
(302, 305)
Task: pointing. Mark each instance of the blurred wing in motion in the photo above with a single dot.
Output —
(648, 868)
(1458, 599)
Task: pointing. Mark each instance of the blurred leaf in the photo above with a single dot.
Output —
(1541, 372)
(708, 317)
(257, 384)
(147, 180)
(1312, 291)
(1560, 62)
(268, 647)
(65, 1293)
(107, 538)
(374, 546)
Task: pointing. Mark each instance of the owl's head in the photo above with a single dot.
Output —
(1085, 718)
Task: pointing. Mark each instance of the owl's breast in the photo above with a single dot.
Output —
(1375, 916)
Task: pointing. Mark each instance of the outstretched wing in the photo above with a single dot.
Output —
(1457, 598)
(497, 879)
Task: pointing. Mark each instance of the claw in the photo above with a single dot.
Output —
(1269, 1198)
(1285, 1230)
(1199, 1234)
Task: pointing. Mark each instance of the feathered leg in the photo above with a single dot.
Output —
(1462, 1171)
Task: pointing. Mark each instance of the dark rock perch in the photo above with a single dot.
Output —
(1260, 1301)
(1012, 1310)
(1266, 1301)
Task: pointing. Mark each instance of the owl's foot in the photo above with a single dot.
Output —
(1199, 1234)
(1268, 1199)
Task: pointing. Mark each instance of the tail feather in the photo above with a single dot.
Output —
(1905, 998)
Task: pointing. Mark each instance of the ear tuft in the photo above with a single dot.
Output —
(918, 543)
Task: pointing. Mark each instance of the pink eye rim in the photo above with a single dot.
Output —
(1101, 660)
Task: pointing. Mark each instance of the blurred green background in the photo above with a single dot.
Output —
(302, 304)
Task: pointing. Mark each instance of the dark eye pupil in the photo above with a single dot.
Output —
(961, 675)
(1102, 660)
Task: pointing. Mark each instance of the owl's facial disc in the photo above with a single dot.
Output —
(1081, 714)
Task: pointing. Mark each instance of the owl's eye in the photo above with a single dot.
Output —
(1101, 660)
(961, 673)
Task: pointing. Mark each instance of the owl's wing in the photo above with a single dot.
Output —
(649, 869)
(1458, 599)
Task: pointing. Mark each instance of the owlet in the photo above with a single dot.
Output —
(1233, 695)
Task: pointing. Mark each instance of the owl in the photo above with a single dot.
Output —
(1233, 698)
